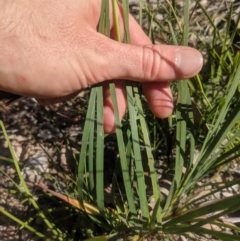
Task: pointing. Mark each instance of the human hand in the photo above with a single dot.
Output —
(51, 50)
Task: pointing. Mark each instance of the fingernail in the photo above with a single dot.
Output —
(189, 61)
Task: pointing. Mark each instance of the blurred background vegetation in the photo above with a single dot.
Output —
(170, 179)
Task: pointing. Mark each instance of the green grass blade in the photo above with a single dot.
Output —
(134, 127)
(25, 188)
(89, 124)
(220, 205)
(90, 159)
(181, 131)
(227, 225)
(231, 92)
(220, 136)
(220, 128)
(125, 4)
(175, 42)
(88, 138)
(120, 139)
(137, 153)
(100, 238)
(219, 234)
(184, 118)
(226, 157)
(116, 23)
(214, 188)
(100, 152)
(186, 22)
(147, 144)
(104, 21)
(20, 222)
(121, 148)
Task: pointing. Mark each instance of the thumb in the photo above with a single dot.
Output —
(150, 62)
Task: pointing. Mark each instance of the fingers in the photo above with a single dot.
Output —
(109, 117)
(159, 98)
(150, 63)
(158, 94)
(145, 62)
(137, 36)
(53, 101)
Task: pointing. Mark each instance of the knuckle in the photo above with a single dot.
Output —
(151, 61)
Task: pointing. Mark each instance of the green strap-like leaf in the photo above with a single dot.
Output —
(137, 154)
(89, 124)
(100, 152)
(220, 205)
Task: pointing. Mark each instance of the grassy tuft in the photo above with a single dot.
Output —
(167, 178)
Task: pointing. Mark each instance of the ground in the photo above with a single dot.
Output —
(34, 135)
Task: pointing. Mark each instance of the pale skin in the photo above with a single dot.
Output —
(50, 50)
